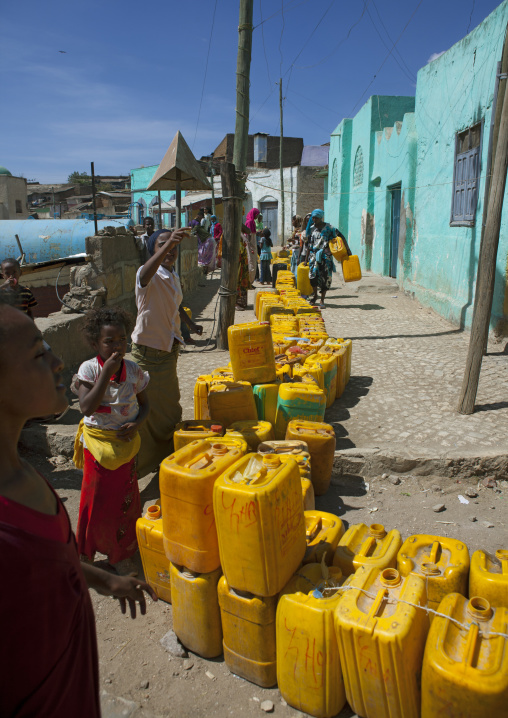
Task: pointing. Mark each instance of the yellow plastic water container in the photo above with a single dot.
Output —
(323, 533)
(308, 665)
(282, 344)
(186, 480)
(465, 670)
(488, 576)
(231, 402)
(369, 546)
(248, 624)
(196, 612)
(341, 357)
(269, 308)
(260, 295)
(288, 321)
(260, 522)
(302, 279)
(348, 344)
(298, 401)
(329, 365)
(251, 352)
(381, 642)
(222, 371)
(283, 372)
(201, 390)
(265, 398)
(254, 432)
(294, 448)
(312, 343)
(298, 450)
(351, 268)
(151, 548)
(315, 371)
(338, 249)
(188, 312)
(320, 438)
(442, 561)
(308, 495)
(188, 431)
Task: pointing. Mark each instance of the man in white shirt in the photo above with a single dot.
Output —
(207, 219)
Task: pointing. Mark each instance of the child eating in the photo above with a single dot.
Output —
(112, 397)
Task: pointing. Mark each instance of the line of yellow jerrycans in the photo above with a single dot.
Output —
(289, 597)
(351, 269)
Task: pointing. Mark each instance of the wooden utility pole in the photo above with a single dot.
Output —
(232, 187)
(281, 164)
(487, 266)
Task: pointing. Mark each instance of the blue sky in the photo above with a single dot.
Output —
(132, 74)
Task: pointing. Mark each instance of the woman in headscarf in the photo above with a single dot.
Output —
(319, 257)
(295, 242)
(206, 249)
(216, 232)
(252, 247)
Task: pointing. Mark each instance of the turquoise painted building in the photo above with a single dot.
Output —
(406, 178)
(146, 203)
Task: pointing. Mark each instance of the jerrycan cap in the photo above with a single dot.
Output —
(377, 531)
(502, 554)
(390, 578)
(153, 512)
(430, 569)
(219, 450)
(271, 461)
(217, 428)
(479, 608)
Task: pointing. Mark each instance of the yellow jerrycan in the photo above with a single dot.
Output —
(223, 371)
(338, 249)
(196, 612)
(308, 665)
(251, 352)
(369, 546)
(151, 548)
(442, 561)
(320, 438)
(267, 307)
(329, 365)
(265, 398)
(260, 522)
(230, 402)
(488, 576)
(465, 666)
(308, 495)
(284, 447)
(298, 401)
(201, 390)
(315, 371)
(381, 642)
(188, 431)
(248, 624)
(298, 450)
(254, 432)
(280, 346)
(351, 268)
(323, 533)
(260, 295)
(302, 279)
(287, 321)
(186, 480)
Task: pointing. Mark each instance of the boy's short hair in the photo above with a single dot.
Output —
(95, 319)
(11, 260)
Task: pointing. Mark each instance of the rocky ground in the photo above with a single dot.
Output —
(405, 459)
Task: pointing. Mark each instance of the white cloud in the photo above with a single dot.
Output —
(435, 55)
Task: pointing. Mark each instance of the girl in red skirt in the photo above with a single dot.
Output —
(111, 392)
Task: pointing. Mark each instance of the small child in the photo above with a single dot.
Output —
(265, 257)
(23, 297)
(112, 397)
(50, 665)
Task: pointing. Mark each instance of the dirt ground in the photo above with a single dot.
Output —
(136, 668)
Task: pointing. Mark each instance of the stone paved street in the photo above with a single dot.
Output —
(407, 369)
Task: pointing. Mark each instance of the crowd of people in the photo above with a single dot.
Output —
(131, 405)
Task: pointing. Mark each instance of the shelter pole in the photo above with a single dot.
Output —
(178, 218)
(230, 252)
(160, 209)
(487, 266)
(93, 199)
(283, 215)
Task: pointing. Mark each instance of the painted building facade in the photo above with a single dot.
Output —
(407, 178)
(145, 203)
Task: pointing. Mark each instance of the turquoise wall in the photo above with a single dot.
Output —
(454, 92)
(140, 179)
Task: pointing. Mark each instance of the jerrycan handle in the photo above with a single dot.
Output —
(314, 529)
(200, 463)
(366, 546)
(434, 551)
(502, 555)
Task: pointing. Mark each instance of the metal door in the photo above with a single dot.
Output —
(269, 211)
(394, 239)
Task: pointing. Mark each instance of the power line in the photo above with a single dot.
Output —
(470, 18)
(204, 77)
(411, 78)
(264, 46)
(308, 118)
(390, 39)
(291, 6)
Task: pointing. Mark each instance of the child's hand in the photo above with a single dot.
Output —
(112, 364)
(129, 589)
(127, 431)
(197, 329)
(9, 283)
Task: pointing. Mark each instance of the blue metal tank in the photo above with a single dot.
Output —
(42, 239)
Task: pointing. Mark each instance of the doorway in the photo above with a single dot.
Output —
(395, 229)
(269, 210)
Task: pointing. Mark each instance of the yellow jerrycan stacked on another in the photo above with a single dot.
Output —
(299, 451)
(340, 354)
(369, 546)
(314, 370)
(269, 306)
(248, 624)
(251, 352)
(260, 295)
(488, 577)
(329, 365)
(201, 391)
(188, 431)
(298, 401)
(351, 269)
(320, 438)
(265, 398)
(186, 480)
(230, 402)
(302, 280)
(253, 432)
(196, 612)
(308, 665)
(381, 642)
(222, 371)
(151, 548)
(465, 669)
(348, 344)
(323, 533)
(443, 562)
(260, 522)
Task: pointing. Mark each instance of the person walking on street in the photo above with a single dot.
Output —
(266, 256)
(319, 256)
